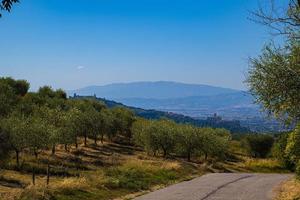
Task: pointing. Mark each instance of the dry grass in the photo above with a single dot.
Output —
(105, 171)
(289, 190)
(241, 162)
(9, 193)
(111, 171)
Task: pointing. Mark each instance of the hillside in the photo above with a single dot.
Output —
(151, 90)
(194, 100)
(198, 102)
(231, 125)
(238, 105)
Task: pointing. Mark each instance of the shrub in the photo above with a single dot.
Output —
(298, 170)
(259, 145)
(278, 151)
(293, 146)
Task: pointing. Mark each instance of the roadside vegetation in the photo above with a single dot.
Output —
(274, 79)
(53, 147)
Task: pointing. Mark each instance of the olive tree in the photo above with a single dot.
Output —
(16, 127)
(38, 135)
(7, 5)
(274, 79)
(190, 140)
(123, 120)
(157, 135)
(11, 93)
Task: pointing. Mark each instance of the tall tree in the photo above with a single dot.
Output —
(16, 127)
(274, 76)
(6, 5)
(11, 93)
(123, 120)
(274, 79)
(189, 140)
(283, 17)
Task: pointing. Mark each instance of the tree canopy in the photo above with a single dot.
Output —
(7, 5)
(274, 76)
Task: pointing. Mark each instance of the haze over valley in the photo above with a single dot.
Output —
(194, 100)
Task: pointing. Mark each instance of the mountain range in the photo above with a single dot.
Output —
(152, 90)
(194, 100)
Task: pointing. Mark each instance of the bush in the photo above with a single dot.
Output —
(259, 145)
(293, 145)
(298, 170)
(278, 151)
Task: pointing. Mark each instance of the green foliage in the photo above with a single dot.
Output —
(216, 142)
(189, 140)
(167, 137)
(274, 79)
(38, 134)
(298, 170)
(279, 151)
(5, 147)
(7, 99)
(123, 120)
(11, 91)
(17, 129)
(293, 146)
(20, 87)
(258, 145)
(156, 136)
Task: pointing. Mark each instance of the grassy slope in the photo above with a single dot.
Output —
(112, 171)
(241, 162)
(105, 171)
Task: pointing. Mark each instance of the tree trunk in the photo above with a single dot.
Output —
(102, 138)
(165, 152)
(85, 140)
(76, 143)
(17, 158)
(35, 154)
(189, 156)
(48, 174)
(53, 149)
(206, 156)
(33, 175)
(95, 140)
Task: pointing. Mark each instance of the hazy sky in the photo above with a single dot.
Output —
(75, 43)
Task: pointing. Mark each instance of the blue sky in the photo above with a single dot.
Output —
(74, 43)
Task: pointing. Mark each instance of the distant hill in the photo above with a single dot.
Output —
(193, 100)
(232, 105)
(189, 99)
(151, 90)
(216, 122)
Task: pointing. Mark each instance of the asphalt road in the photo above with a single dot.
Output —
(231, 186)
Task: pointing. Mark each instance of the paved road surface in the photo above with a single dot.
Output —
(221, 186)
